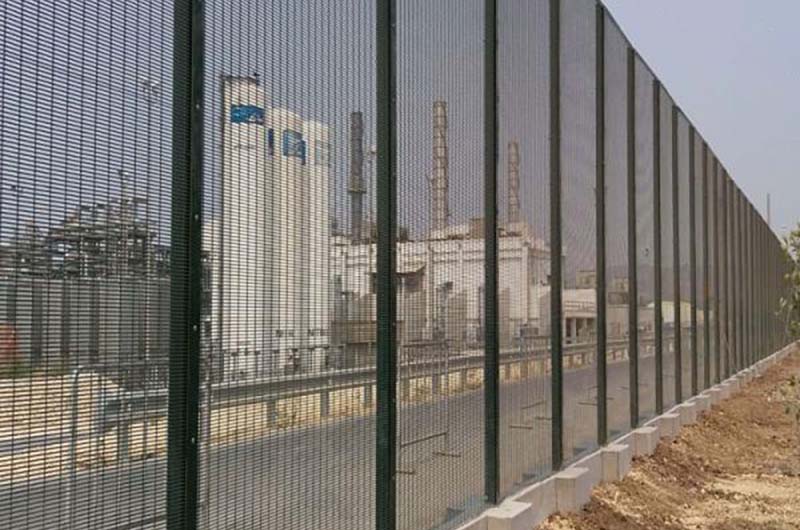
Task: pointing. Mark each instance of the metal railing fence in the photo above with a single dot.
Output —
(353, 264)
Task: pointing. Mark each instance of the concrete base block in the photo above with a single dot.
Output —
(687, 412)
(510, 515)
(702, 403)
(542, 498)
(616, 462)
(669, 425)
(725, 390)
(644, 440)
(714, 395)
(573, 489)
(593, 464)
(735, 385)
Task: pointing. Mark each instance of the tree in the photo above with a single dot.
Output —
(790, 304)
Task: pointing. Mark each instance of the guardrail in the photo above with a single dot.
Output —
(120, 409)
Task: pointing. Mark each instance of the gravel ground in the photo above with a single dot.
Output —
(738, 468)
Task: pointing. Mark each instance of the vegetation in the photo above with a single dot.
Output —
(790, 304)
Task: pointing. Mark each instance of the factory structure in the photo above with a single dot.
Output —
(268, 302)
(290, 292)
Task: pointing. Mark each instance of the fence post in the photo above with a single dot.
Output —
(600, 211)
(739, 278)
(693, 258)
(706, 280)
(555, 237)
(717, 273)
(386, 344)
(492, 345)
(676, 260)
(633, 275)
(186, 267)
(657, 295)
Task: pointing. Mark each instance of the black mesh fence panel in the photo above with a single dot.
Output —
(440, 261)
(524, 241)
(645, 239)
(263, 186)
(85, 180)
(578, 179)
(668, 250)
(616, 225)
(288, 346)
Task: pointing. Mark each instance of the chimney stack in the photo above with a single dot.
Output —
(513, 182)
(355, 186)
(439, 176)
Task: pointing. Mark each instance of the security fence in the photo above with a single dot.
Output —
(347, 265)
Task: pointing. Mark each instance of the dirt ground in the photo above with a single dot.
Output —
(738, 468)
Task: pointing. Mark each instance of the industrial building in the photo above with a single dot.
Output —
(267, 247)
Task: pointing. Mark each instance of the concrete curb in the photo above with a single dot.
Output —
(569, 490)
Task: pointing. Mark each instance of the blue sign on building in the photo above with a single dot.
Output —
(247, 114)
(294, 145)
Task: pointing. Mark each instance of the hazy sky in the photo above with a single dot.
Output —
(734, 67)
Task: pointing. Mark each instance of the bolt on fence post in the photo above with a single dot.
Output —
(657, 294)
(693, 259)
(555, 238)
(600, 230)
(706, 279)
(186, 261)
(676, 260)
(491, 337)
(386, 195)
(633, 275)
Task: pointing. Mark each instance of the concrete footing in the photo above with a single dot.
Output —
(644, 440)
(569, 490)
(616, 461)
(701, 402)
(511, 515)
(541, 497)
(669, 424)
(687, 412)
(573, 489)
(714, 395)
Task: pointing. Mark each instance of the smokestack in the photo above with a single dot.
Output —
(769, 211)
(513, 182)
(439, 176)
(355, 186)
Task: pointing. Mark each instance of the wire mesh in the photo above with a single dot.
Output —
(578, 225)
(668, 251)
(440, 262)
(683, 218)
(95, 256)
(84, 244)
(287, 422)
(616, 225)
(645, 238)
(524, 273)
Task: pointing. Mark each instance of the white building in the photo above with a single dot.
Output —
(440, 287)
(269, 242)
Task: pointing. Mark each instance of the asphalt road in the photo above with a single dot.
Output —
(321, 476)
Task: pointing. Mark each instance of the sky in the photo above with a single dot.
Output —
(734, 68)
